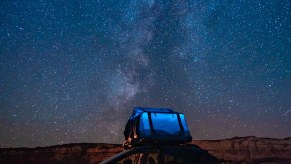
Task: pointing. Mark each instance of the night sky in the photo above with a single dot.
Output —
(71, 71)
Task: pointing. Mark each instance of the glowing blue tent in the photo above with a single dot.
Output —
(156, 125)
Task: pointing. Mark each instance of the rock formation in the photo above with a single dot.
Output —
(234, 150)
(249, 149)
(69, 153)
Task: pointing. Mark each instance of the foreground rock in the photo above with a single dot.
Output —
(235, 150)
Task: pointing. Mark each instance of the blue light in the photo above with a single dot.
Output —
(144, 125)
(164, 123)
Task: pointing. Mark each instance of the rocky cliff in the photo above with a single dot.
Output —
(69, 153)
(249, 149)
(235, 150)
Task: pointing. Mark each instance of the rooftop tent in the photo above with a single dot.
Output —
(156, 124)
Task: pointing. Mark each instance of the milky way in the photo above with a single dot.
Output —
(72, 71)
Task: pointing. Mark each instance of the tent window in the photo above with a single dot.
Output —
(164, 123)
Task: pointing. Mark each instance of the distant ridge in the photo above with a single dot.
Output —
(248, 149)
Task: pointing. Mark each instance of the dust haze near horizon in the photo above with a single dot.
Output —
(72, 71)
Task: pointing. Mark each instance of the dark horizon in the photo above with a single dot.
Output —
(72, 71)
(90, 143)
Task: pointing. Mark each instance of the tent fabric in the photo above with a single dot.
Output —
(156, 124)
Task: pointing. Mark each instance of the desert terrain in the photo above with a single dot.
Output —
(235, 150)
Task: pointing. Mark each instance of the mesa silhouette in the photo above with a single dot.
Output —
(235, 150)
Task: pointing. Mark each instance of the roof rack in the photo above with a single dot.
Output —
(155, 126)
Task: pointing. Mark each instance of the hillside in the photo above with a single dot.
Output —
(234, 150)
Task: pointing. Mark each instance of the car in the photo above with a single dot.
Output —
(158, 136)
(162, 154)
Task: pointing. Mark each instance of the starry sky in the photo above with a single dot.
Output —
(71, 71)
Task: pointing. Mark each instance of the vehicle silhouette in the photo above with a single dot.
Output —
(158, 136)
(162, 154)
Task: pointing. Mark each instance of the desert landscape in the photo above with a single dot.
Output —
(80, 77)
(235, 150)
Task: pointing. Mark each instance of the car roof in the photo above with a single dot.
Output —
(189, 147)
